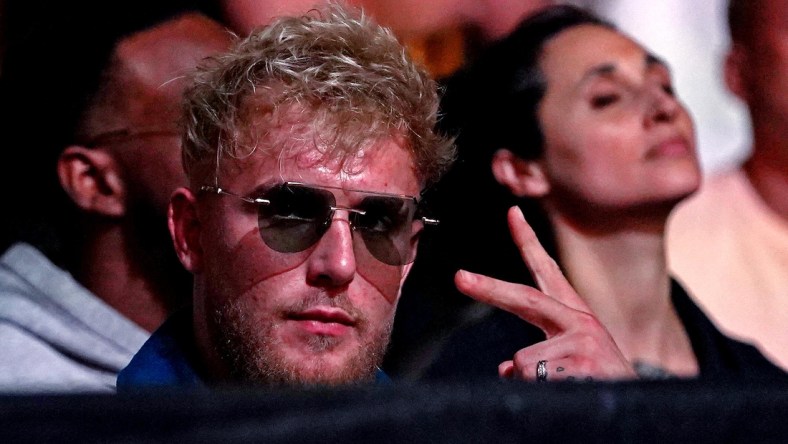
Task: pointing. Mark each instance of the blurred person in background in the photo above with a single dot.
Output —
(729, 243)
(91, 101)
(441, 34)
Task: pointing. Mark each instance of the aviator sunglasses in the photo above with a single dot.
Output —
(293, 216)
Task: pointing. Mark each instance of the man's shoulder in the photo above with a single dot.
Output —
(16, 265)
(715, 190)
(719, 355)
(29, 363)
(711, 212)
(27, 307)
(26, 274)
(55, 334)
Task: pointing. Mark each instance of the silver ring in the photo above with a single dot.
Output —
(541, 371)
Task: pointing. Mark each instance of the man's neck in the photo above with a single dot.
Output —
(767, 170)
(107, 271)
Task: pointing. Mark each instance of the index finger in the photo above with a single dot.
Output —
(527, 303)
(548, 276)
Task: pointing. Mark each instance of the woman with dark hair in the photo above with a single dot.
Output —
(578, 125)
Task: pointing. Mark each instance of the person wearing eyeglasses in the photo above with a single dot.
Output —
(91, 102)
(308, 148)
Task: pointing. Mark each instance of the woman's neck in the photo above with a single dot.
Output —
(622, 275)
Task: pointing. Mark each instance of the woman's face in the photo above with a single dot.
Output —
(615, 135)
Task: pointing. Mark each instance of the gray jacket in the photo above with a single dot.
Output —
(55, 335)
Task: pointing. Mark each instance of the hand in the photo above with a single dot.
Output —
(577, 346)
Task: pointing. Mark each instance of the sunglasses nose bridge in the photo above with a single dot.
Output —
(351, 212)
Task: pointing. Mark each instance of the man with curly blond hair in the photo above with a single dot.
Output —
(307, 148)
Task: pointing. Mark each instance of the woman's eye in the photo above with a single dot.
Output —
(604, 100)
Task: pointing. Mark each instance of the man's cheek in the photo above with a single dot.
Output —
(384, 279)
(251, 262)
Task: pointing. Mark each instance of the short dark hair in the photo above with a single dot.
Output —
(492, 104)
(55, 64)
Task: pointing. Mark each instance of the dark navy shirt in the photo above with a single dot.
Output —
(169, 358)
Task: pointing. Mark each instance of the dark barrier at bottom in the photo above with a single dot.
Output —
(499, 412)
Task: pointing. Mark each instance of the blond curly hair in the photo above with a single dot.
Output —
(332, 73)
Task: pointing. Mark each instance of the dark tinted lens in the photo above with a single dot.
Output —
(388, 229)
(296, 218)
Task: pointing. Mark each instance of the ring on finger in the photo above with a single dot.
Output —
(541, 371)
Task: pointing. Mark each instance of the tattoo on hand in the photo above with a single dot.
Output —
(559, 369)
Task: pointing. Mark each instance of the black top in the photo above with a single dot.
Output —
(474, 351)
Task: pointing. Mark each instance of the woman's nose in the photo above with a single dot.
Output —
(662, 106)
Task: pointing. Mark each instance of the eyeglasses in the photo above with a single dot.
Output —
(124, 134)
(293, 216)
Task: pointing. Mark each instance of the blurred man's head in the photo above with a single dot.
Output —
(91, 109)
(756, 68)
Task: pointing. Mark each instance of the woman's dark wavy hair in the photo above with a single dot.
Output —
(511, 68)
(492, 104)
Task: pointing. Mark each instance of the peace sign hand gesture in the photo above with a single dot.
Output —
(577, 346)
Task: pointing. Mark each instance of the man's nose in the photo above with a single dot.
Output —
(333, 263)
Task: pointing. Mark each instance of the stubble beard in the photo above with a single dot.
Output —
(254, 354)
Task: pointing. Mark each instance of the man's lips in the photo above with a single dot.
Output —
(324, 321)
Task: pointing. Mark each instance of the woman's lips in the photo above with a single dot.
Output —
(673, 147)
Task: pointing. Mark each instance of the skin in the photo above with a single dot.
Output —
(408, 18)
(619, 154)
(412, 18)
(123, 184)
(322, 316)
(616, 137)
(576, 340)
(756, 70)
(245, 15)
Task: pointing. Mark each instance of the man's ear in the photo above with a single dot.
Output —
(92, 179)
(184, 225)
(735, 64)
(524, 178)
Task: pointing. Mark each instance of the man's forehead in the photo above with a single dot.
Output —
(377, 166)
(296, 158)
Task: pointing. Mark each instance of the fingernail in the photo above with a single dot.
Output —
(519, 212)
(466, 276)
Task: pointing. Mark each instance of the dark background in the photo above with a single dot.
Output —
(500, 412)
